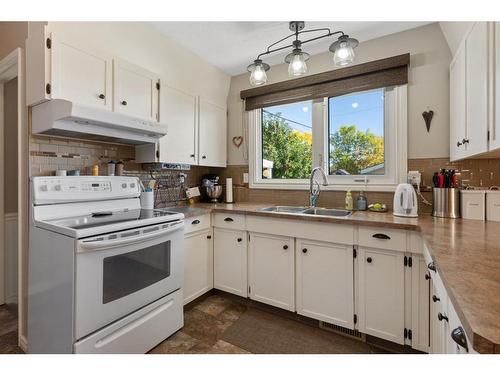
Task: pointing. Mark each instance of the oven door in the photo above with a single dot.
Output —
(119, 273)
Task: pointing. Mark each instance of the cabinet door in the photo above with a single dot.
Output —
(271, 270)
(438, 327)
(212, 135)
(457, 105)
(476, 70)
(325, 282)
(135, 91)
(420, 291)
(230, 261)
(495, 131)
(179, 113)
(80, 75)
(381, 293)
(198, 264)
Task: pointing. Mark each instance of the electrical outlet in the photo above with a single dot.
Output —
(245, 178)
(414, 178)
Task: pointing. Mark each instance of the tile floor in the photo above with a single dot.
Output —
(223, 325)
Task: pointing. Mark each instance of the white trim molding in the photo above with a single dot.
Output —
(396, 149)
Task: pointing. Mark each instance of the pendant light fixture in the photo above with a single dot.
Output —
(343, 53)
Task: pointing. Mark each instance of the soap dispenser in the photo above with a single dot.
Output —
(348, 201)
(361, 202)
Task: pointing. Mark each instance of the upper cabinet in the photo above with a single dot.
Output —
(472, 89)
(212, 139)
(135, 91)
(79, 75)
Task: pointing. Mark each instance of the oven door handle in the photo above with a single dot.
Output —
(109, 244)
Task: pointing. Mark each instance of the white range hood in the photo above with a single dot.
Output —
(59, 117)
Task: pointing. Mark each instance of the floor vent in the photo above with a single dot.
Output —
(342, 331)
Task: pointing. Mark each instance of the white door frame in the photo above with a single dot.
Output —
(12, 66)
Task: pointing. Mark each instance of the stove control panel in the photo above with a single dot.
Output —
(58, 189)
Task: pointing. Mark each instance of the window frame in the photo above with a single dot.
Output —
(395, 148)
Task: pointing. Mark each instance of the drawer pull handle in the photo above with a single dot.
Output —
(102, 96)
(458, 335)
(123, 102)
(195, 222)
(369, 259)
(240, 239)
(431, 266)
(304, 250)
(435, 298)
(209, 237)
(285, 247)
(228, 219)
(442, 317)
(427, 276)
(381, 236)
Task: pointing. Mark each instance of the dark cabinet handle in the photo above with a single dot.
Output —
(431, 266)
(458, 335)
(369, 259)
(228, 219)
(102, 96)
(240, 239)
(285, 247)
(442, 317)
(459, 144)
(464, 141)
(123, 102)
(427, 276)
(435, 299)
(191, 156)
(304, 250)
(209, 237)
(204, 157)
(195, 222)
(381, 236)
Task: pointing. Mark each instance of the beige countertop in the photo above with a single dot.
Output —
(466, 253)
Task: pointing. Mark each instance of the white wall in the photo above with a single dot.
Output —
(454, 33)
(428, 87)
(140, 44)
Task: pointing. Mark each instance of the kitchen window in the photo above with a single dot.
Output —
(358, 138)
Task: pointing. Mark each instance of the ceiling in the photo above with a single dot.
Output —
(231, 46)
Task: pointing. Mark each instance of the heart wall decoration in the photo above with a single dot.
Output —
(237, 141)
(427, 115)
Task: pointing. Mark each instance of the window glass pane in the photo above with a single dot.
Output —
(356, 133)
(287, 141)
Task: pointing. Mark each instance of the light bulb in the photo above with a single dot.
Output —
(344, 55)
(297, 66)
(258, 76)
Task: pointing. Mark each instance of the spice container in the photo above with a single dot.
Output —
(95, 170)
(119, 168)
(111, 168)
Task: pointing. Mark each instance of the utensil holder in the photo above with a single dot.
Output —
(446, 202)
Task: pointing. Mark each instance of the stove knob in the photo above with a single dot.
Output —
(132, 185)
(124, 185)
(57, 187)
(43, 187)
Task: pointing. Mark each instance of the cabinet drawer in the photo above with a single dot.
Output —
(193, 224)
(493, 205)
(382, 238)
(230, 221)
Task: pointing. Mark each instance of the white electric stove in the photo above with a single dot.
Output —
(104, 275)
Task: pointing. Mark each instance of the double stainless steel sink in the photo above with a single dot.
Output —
(314, 211)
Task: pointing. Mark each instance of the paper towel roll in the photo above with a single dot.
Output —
(229, 190)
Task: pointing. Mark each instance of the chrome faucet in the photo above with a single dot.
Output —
(314, 186)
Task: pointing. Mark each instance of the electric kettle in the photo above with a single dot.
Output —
(405, 201)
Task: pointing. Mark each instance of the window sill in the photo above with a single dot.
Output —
(332, 187)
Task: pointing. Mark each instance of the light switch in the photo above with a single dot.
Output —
(245, 178)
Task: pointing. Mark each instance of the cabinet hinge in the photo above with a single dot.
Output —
(354, 253)
(410, 261)
(157, 85)
(248, 237)
(249, 289)
(48, 43)
(405, 333)
(409, 334)
(48, 88)
(488, 135)
(405, 261)
(355, 318)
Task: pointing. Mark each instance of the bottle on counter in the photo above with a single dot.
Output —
(111, 168)
(348, 201)
(119, 168)
(361, 202)
(95, 170)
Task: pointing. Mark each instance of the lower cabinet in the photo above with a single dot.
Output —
(420, 315)
(438, 321)
(325, 282)
(381, 293)
(230, 261)
(271, 270)
(198, 264)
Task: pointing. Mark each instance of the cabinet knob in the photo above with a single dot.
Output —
(102, 96)
(442, 317)
(123, 102)
(209, 237)
(240, 239)
(431, 266)
(304, 250)
(191, 156)
(285, 247)
(427, 276)
(435, 298)
(458, 335)
(464, 141)
(369, 259)
(204, 157)
(459, 144)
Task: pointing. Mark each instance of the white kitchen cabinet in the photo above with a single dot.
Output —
(230, 261)
(198, 264)
(438, 321)
(381, 286)
(420, 296)
(212, 145)
(179, 112)
(495, 86)
(325, 282)
(271, 270)
(135, 91)
(458, 131)
(79, 74)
